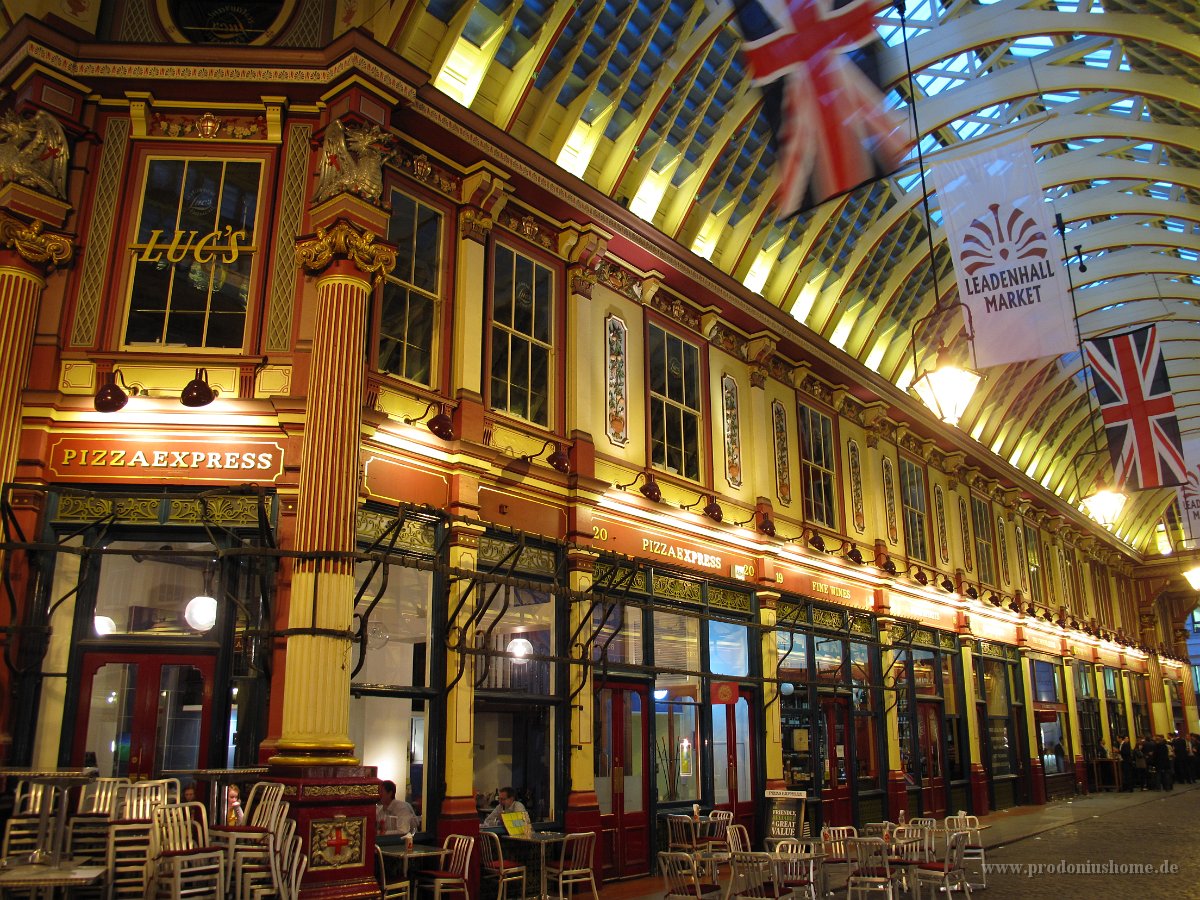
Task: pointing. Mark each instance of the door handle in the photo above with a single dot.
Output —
(618, 780)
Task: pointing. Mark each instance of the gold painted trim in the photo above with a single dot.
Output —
(314, 761)
(32, 244)
(346, 241)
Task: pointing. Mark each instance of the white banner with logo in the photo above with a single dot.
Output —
(1189, 493)
(1002, 238)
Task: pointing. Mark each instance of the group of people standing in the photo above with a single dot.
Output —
(1156, 763)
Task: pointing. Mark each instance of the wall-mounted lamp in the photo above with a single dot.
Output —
(972, 592)
(650, 489)
(712, 509)
(947, 584)
(814, 540)
(558, 460)
(198, 392)
(111, 398)
(440, 425)
(854, 555)
(762, 522)
(889, 566)
(918, 575)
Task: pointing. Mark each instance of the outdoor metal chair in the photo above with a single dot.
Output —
(574, 866)
(495, 867)
(681, 877)
(184, 863)
(452, 878)
(797, 866)
(391, 890)
(127, 857)
(755, 876)
(973, 851)
(871, 869)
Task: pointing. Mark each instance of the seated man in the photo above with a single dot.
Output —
(508, 804)
(394, 816)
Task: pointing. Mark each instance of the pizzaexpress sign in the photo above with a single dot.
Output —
(152, 458)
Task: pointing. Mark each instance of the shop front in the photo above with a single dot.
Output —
(832, 709)
(1001, 712)
(1052, 726)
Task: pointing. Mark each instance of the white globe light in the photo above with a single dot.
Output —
(201, 613)
(787, 689)
(104, 625)
(660, 694)
(519, 648)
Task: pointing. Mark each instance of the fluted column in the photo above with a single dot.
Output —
(25, 253)
(316, 691)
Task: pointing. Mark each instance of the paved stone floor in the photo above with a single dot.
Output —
(1085, 848)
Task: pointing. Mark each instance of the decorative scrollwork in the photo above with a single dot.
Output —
(32, 244)
(345, 241)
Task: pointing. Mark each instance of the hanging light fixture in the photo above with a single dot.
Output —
(947, 387)
(1103, 504)
(1193, 577)
(519, 649)
(201, 611)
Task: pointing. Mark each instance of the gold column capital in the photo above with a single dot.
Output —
(32, 244)
(343, 240)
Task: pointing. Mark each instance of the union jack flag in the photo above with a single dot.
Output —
(1139, 413)
(821, 96)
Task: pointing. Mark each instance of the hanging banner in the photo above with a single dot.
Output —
(1189, 493)
(1009, 274)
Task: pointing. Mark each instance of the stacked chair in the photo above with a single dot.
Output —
(264, 808)
(184, 863)
(127, 854)
(264, 866)
(87, 832)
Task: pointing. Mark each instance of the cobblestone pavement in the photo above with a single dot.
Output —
(1089, 853)
(1094, 857)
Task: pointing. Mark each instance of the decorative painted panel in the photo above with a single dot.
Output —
(1002, 537)
(939, 510)
(616, 426)
(889, 499)
(964, 525)
(856, 488)
(783, 476)
(1022, 565)
(733, 431)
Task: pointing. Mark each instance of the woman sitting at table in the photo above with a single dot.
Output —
(394, 816)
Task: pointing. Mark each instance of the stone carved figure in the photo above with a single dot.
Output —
(352, 160)
(33, 152)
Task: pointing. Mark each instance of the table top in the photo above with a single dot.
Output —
(70, 873)
(537, 837)
(416, 851)
(50, 776)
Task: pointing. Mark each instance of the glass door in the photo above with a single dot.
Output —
(141, 715)
(832, 764)
(929, 744)
(622, 786)
(733, 752)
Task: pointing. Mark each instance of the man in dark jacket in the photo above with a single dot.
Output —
(1183, 773)
(1162, 763)
(1126, 753)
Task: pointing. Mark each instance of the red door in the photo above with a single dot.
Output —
(832, 763)
(140, 714)
(929, 746)
(622, 778)
(733, 759)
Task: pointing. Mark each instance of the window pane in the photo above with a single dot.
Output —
(194, 253)
(829, 656)
(728, 649)
(390, 734)
(518, 741)
(522, 308)
(674, 404)
(397, 629)
(516, 623)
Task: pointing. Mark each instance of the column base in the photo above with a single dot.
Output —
(334, 810)
(897, 796)
(979, 790)
(1037, 783)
